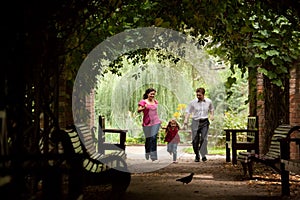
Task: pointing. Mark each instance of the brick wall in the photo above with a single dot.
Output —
(62, 102)
(65, 117)
(260, 110)
(294, 101)
(90, 105)
(65, 105)
(294, 115)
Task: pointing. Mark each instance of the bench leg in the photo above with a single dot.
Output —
(228, 159)
(121, 181)
(52, 184)
(75, 179)
(285, 179)
(244, 165)
(250, 169)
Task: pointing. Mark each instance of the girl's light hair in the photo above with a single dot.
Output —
(169, 124)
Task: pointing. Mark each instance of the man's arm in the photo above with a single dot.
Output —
(211, 115)
(211, 112)
(186, 118)
(187, 115)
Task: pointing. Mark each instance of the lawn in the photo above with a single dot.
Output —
(211, 150)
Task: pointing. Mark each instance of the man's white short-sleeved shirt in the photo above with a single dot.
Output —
(200, 109)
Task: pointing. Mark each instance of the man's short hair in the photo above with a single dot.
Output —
(201, 90)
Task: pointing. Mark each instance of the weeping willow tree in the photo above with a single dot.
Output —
(174, 65)
(175, 82)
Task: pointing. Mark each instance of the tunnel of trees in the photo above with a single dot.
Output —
(43, 41)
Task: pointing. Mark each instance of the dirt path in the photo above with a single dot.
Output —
(213, 179)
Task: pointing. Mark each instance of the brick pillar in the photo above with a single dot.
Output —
(65, 101)
(294, 149)
(260, 110)
(62, 101)
(294, 115)
(294, 110)
(90, 105)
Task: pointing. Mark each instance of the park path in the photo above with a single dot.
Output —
(213, 179)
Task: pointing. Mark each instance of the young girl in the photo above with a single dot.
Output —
(172, 138)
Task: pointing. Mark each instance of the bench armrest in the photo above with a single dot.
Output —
(285, 147)
(121, 143)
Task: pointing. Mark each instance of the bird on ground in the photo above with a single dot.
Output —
(187, 179)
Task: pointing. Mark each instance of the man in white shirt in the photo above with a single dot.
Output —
(202, 110)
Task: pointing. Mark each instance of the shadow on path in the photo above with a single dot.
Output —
(213, 179)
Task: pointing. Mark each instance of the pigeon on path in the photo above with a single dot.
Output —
(187, 179)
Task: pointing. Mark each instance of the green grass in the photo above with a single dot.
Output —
(211, 150)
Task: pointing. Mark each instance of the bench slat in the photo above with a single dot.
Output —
(85, 135)
(271, 157)
(288, 164)
(97, 168)
(292, 165)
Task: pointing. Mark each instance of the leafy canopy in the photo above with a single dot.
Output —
(248, 33)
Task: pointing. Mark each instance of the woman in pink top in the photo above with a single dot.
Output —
(151, 122)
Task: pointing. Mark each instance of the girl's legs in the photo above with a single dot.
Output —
(173, 149)
(174, 152)
(169, 148)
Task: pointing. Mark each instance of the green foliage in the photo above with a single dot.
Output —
(211, 150)
(258, 35)
(236, 84)
(135, 140)
(58, 36)
(237, 107)
(247, 34)
(235, 120)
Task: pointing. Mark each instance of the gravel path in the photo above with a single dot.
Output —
(213, 179)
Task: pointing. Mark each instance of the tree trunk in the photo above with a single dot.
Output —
(276, 109)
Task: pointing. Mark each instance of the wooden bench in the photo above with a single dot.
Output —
(89, 167)
(271, 158)
(250, 142)
(104, 145)
(290, 161)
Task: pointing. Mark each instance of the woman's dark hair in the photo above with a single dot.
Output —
(145, 96)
